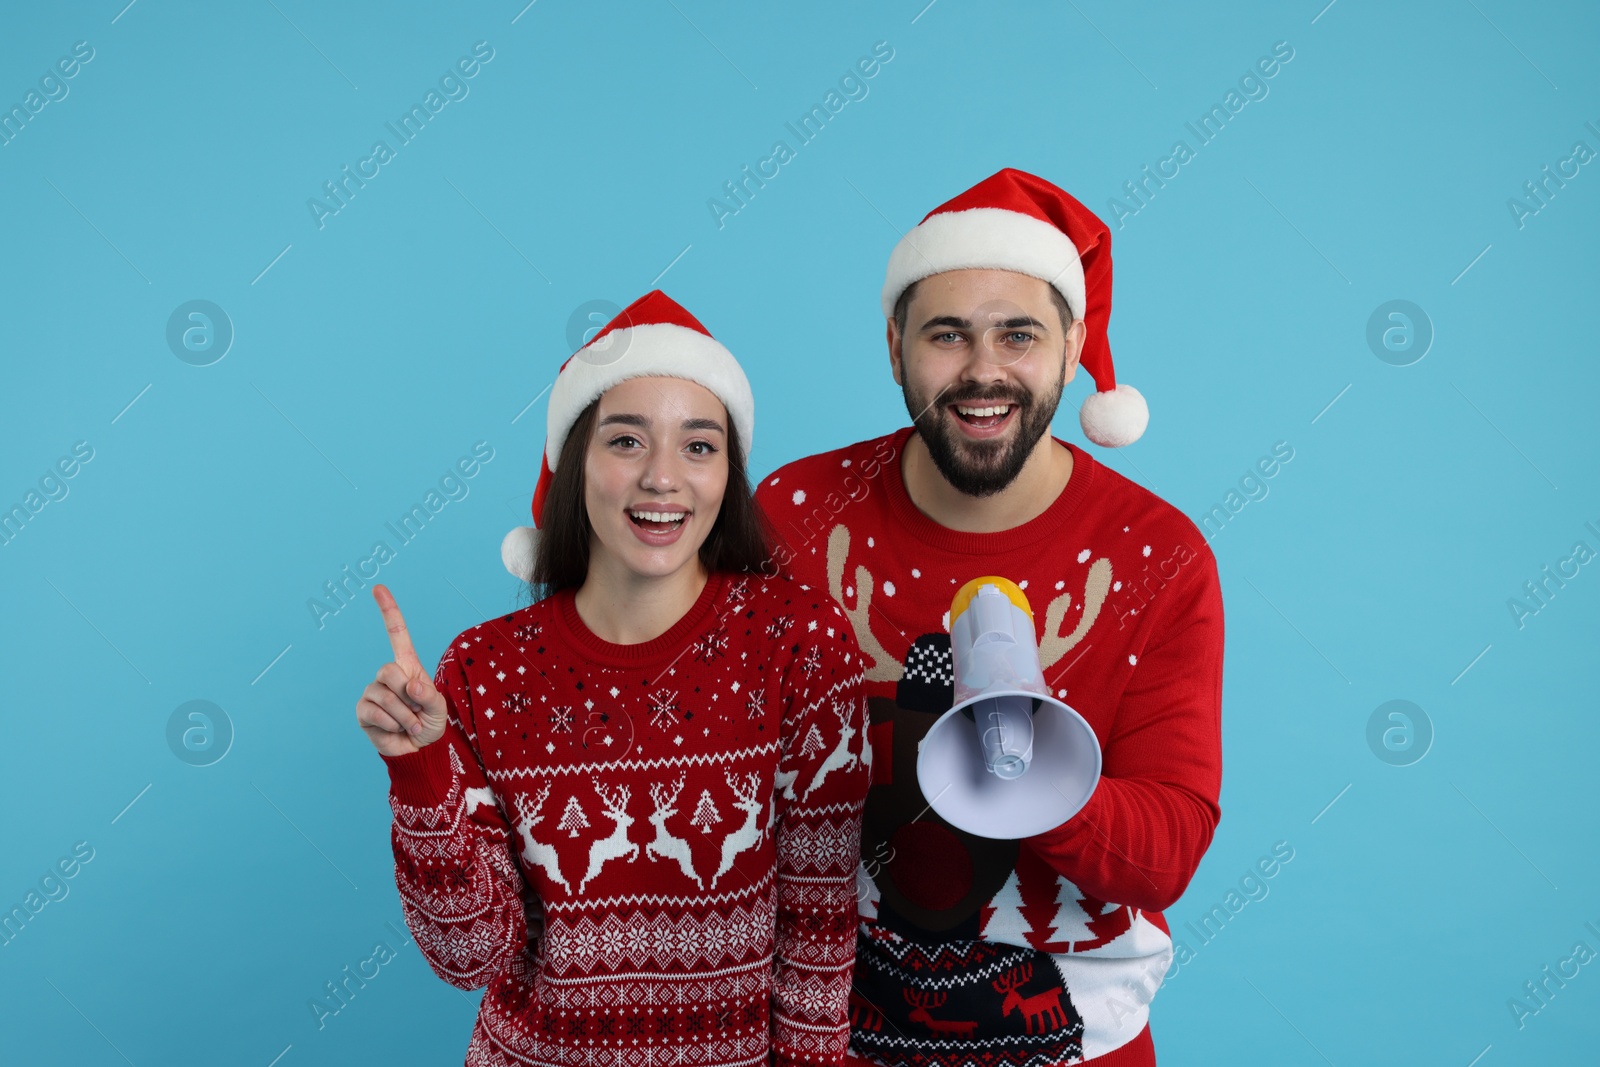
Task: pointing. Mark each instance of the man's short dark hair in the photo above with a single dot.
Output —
(903, 305)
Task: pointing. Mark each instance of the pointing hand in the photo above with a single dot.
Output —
(400, 710)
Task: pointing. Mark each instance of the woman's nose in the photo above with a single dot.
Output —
(660, 473)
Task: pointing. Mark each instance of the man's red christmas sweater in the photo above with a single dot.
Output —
(1048, 950)
(646, 852)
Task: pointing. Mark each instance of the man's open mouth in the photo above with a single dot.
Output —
(986, 416)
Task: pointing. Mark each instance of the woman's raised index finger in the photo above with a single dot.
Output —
(395, 623)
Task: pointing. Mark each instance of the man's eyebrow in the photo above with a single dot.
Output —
(963, 324)
(703, 424)
(1025, 320)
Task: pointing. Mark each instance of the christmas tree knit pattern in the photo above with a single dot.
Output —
(631, 846)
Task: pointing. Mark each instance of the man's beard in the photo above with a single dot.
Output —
(981, 468)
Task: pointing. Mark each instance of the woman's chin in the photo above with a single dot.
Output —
(647, 561)
(657, 563)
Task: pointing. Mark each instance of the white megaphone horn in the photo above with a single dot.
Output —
(1008, 760)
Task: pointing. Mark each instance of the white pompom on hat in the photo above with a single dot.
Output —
(1018, 222)
(652, 337)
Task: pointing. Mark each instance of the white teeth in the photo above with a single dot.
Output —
(660, 516)
(979, 413)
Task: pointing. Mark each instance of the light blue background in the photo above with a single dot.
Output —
(434, 308)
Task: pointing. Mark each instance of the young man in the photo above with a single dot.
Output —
(1045, 950)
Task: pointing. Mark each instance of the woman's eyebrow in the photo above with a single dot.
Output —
(626, 419)
(703, 424)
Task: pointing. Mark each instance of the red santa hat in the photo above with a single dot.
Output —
(1018, 222)
(651, 337)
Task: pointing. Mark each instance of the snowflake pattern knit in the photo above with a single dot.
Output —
(1044, 951)
(645, 852)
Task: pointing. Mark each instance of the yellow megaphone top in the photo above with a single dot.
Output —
(965, 594)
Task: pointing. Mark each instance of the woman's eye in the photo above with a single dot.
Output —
(702, 448)
(626, 440)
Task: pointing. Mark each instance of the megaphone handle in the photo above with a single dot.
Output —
(1005, 733)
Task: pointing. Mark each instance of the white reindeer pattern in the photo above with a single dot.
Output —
(747, 836)
(478, 796)
(616, 844)
(665, 846)
(537, 853)
(841, 757)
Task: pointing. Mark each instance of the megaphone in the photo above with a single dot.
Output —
(1009, 760)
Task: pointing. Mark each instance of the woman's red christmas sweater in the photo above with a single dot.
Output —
(647, 853)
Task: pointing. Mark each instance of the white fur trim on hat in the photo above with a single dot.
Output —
(655, 349)
(517, 549)
(1115, 417)
(985, 238)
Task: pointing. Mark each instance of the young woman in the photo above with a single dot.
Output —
(631, 809)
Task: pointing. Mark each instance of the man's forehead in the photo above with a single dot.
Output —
(982, 282)
(987, 295)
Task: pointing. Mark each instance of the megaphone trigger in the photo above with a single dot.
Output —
(974, 764)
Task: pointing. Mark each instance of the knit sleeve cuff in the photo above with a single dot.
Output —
(421, 778)
(810, 1047)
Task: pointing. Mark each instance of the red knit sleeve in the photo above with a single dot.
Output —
(821, 789)
(461, 890)
(1141, 836)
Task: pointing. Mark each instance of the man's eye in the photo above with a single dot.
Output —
(1020, 337)
(947, 338)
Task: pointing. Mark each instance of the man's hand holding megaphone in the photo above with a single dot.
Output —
(400, 710)
(1008, 760)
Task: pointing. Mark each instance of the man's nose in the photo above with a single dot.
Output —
(990, 359)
